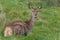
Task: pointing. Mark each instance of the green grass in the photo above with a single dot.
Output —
(47, 26)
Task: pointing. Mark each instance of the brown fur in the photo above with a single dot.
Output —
(16, 27)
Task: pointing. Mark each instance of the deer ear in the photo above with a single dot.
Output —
(30, 6)
(40, 7)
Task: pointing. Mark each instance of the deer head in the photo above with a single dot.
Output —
(34, 10)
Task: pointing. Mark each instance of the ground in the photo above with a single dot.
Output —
(47, 26)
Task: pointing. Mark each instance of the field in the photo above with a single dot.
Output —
(47, 26)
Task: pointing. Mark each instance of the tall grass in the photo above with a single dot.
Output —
(47, 26)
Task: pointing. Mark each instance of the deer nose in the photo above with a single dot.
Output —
(36, 14)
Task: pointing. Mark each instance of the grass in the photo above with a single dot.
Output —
(47, 26)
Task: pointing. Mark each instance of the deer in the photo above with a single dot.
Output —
(22, 27)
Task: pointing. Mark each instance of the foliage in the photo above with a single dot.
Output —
(47, 26)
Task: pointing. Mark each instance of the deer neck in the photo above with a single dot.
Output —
(32, 20)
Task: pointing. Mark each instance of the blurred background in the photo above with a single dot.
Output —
(47, 26)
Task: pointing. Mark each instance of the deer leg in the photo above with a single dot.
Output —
(25, 33)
